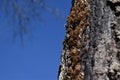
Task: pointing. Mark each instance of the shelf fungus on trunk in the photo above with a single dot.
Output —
(75, 27)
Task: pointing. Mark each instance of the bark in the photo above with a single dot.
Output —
(101, 61)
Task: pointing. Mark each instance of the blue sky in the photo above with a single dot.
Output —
(39, 59)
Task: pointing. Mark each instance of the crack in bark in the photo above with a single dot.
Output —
(115, 6)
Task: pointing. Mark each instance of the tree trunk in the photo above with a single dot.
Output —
(91, 48)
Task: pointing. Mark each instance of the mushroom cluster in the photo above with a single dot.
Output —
(75, 40)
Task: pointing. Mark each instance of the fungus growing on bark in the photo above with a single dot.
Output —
(86, 37)
(77, 40)
(79, 44)
(76, 58)
(85, 50)
(77, 68)
(74, 51)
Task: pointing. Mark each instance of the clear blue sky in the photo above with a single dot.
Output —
(39, 59)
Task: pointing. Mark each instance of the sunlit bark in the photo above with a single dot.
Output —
(101, 61)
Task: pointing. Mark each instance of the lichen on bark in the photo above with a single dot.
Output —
(101, 60)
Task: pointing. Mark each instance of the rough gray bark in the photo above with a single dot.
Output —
(102, 61)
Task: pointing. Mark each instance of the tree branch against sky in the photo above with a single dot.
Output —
(22, 12)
